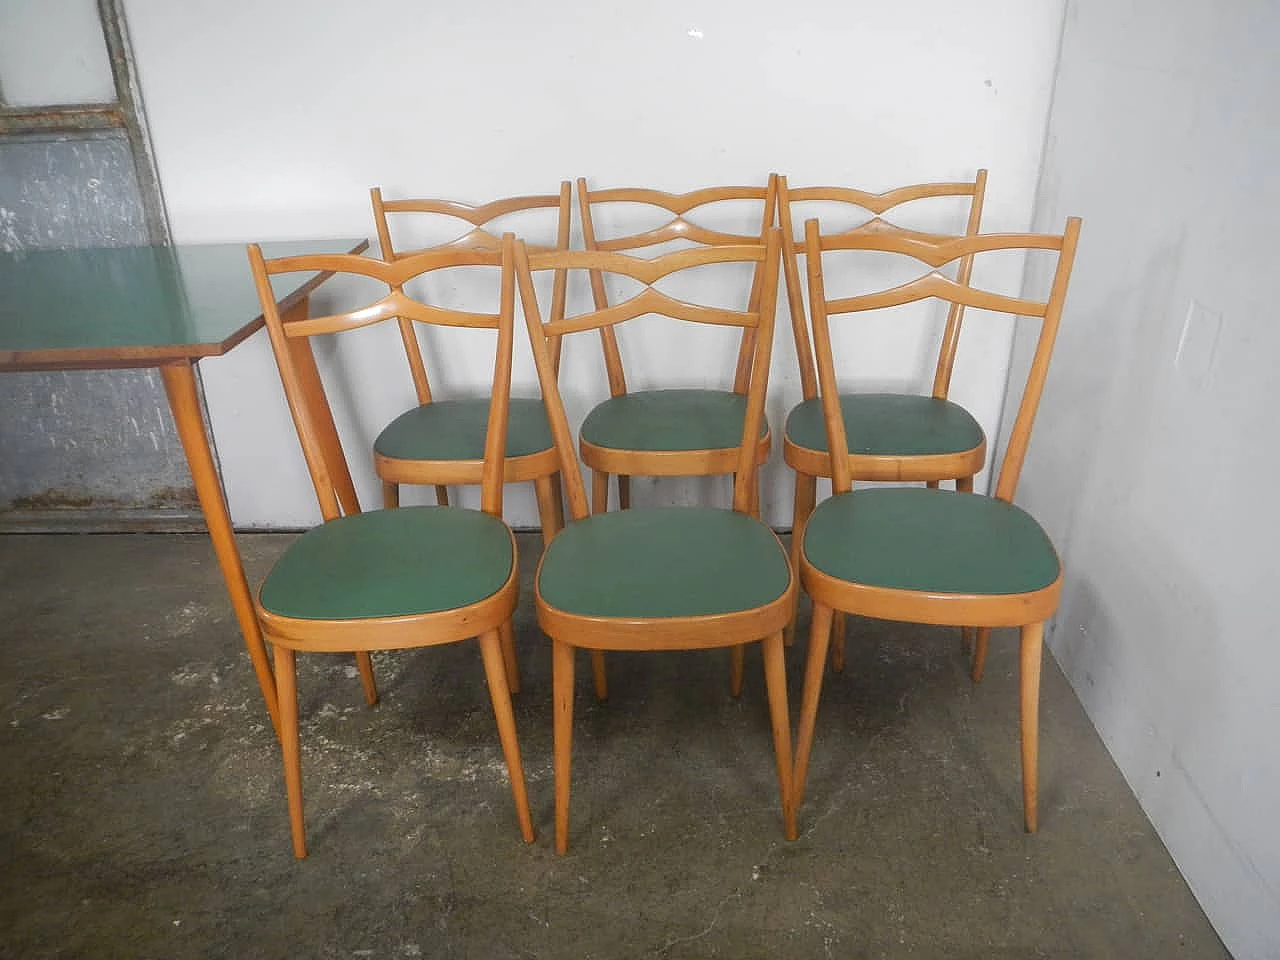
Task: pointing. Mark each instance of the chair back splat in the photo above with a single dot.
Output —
(936, 252)
(290, 341)
(758, 320)
(877, 205)
(680, 227)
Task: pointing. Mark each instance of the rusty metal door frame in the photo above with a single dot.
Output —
(124, 117)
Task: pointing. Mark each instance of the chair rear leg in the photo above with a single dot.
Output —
(599, 491)
(980, 653)
(562, 692)
(819, 639)
(1029, 718)
(364, 663)
(287, 693)
(737, 663)
(775, 679)
(806, 495)
(390, 494)
(548, 509)
(495, 673)
(442, 495)
(599, 678)
(624, 492)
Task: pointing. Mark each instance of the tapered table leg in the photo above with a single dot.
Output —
(184, 400)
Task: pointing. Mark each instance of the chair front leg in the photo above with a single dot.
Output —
(287, 692)
(509, 660)
(1029, 717)
(775, 679)
(495, 672)
(815, 664)
(837, 642)
(562, 692)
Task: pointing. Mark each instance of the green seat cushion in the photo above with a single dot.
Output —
(889, 424)
(656, 562)
(391, 563)
(455, 430)
(914, 538)
(669, 420)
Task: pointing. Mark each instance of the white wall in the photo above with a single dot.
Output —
(272, 119)
(1156, 444)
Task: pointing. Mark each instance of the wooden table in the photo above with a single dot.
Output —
(164, 307)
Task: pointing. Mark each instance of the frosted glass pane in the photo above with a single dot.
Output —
(53, 52)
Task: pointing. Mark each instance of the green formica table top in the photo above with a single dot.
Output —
(138, 306)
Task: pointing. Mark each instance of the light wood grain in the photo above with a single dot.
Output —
(488, 618)
(1025, 610)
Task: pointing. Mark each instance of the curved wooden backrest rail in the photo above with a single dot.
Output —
(935, 286)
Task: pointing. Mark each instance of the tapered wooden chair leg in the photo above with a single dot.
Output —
(624, 492)
(837, 642)
(980, 653)
(815, 664)
(1029, 716)
(966, 639)
(364, 664)
(495, 672)
(562, 692)
(390, 494)
(964, 484)
(806, 495)
(931, 484)
(737, 664)
(287, 693)
(775, 680)
(599, 491)
(599, 678)
(510, 663)
(548, 508)
(442, 495)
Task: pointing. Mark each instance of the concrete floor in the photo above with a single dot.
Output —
(142, 809)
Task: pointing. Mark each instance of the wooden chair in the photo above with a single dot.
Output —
(896, 436)
(441, 442)
(662, 578)
(669, 433)
(929, 555)
(390, 579)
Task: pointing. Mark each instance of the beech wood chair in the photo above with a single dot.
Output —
(441, 442)
(672, 432)
(396, 578)
(895, 436)
(662, 578)
(929, 555)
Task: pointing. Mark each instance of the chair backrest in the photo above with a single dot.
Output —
(290, 342)
(652, 301)
(478, 237)
(876, 205)
(937, 252)
(678, 228)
